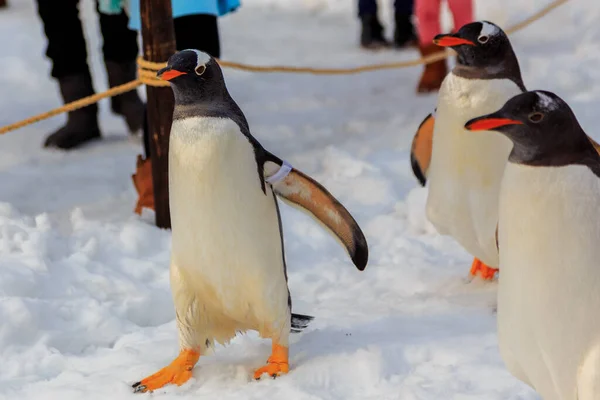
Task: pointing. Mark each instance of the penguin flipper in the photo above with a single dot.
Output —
(420, 152)
(300, 191)
(595, 144)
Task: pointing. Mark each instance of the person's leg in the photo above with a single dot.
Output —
(198, 31)
(366, 7)
(67, 50)
(371, 36)
(462, 12)
(404, 33)
(428, 15)
(66, 43)
(120, 49)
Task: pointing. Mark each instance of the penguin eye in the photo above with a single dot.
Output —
(536, 117)
(200, 69)
(483, 39)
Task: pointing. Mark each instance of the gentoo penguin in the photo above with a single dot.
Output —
(463, 200)
(228, 271)
(465, 170)
(549, 207)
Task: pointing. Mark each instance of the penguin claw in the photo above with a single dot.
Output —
(478, 268)
(167, 375)
(273, 370)
(138, 387)
(177, 373)
(277, 364)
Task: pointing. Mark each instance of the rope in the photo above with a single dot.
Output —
(148, 76)
(145, 76)
(154, 66)
(147, 73)
(538, 15)
(365, 68)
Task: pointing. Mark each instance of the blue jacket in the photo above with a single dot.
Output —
(180, 8)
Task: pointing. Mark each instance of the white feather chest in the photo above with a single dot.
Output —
(466, 167)
(549, 288)
(225, 232)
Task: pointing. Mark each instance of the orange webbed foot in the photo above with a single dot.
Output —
(277, 364)
(177, 373)
(485, 272)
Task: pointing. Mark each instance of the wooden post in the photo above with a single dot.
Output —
(158, 36)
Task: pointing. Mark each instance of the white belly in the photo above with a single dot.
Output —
(466, 167)
(226, 240)
(549, 289)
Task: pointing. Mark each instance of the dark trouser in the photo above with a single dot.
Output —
(366, 7)
(66, 43)
(198, 31)
(67, 49)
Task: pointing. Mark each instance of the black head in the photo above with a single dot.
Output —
(483, 51)
(478, 44)
(542, 127)
(194, 76)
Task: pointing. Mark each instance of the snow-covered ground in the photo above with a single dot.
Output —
(85, 305)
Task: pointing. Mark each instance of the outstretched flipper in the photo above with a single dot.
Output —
(420, 151)
(595, 144)
(303, 192)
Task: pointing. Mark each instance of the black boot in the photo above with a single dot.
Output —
(82, 124)
(404, 34)
(372, 33)
(128, 105)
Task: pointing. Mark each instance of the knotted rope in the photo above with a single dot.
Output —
(147, 73)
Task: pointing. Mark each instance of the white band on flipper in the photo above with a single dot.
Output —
(281, 173)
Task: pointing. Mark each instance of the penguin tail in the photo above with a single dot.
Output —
(300, 322)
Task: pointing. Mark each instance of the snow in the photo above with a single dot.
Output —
(85, 305)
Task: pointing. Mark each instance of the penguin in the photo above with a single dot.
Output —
(548, 293)
(228, 272)
(462, 201)
(466, 169)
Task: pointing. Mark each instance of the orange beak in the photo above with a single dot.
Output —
(170, 74)
(488, 124)
(451, 41)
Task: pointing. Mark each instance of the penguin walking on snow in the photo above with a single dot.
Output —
(466, 169)
(548, 236)
(228, 271)
(463, 170)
